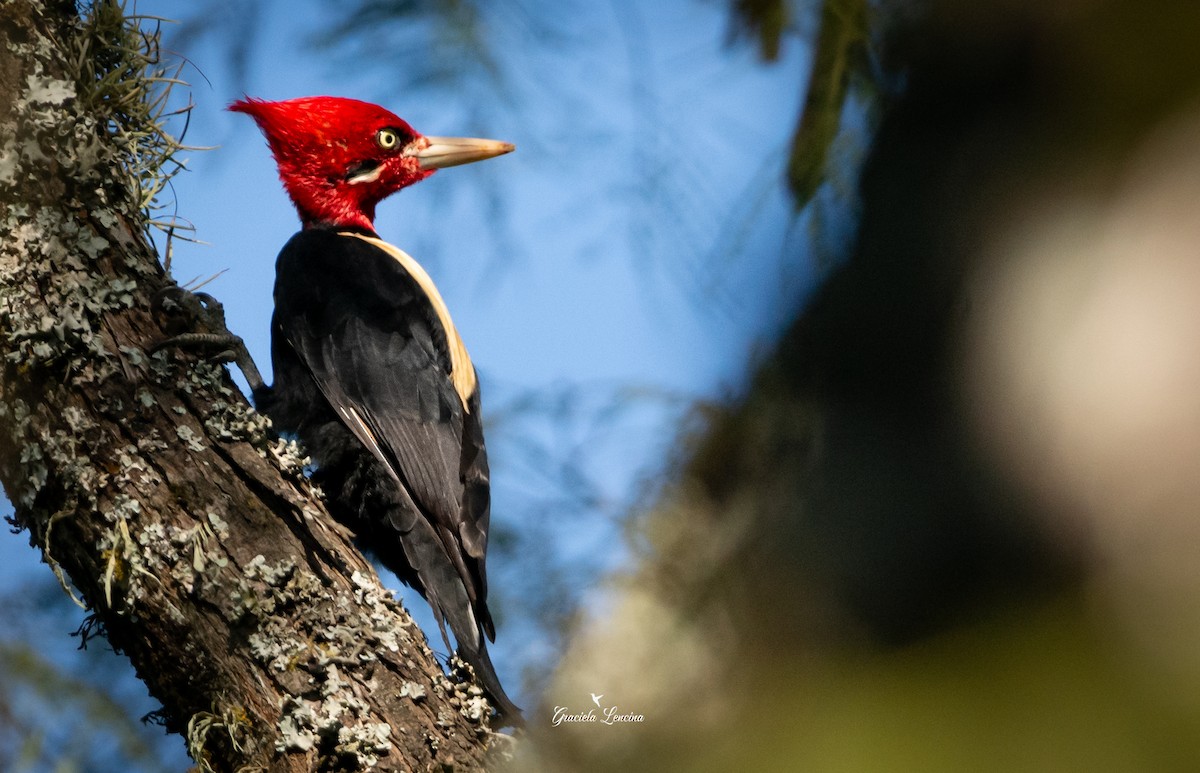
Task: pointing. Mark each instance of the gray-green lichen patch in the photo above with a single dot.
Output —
(325, 660)
(64, 157)
(46, 449)
(461, 694)
(78, 153)
(412, 690)
(51, 303)
(229, 418)
(238, 421)
(378, 613)
(289, 456)
(84, 155)
(189, 436)
(338, 726)
(190, 556)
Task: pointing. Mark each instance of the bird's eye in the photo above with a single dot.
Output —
(387, 139)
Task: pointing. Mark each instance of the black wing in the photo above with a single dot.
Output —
(370, 338)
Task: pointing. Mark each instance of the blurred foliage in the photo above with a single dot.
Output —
(846, 575)
(842, 62)
(39, 733)
(840, 58)
(69, 715)
(764, 21)
(235, 24)
(454, 44)
(556, 443)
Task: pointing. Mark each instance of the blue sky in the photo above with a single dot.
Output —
(631, 246)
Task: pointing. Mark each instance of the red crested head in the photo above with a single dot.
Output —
(340, 157)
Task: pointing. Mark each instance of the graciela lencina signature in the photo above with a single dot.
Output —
(601, 715)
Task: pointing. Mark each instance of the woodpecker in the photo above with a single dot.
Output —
(370, 372)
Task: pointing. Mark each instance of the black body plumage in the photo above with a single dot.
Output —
(363, 364)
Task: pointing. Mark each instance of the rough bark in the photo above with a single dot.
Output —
(148, 480)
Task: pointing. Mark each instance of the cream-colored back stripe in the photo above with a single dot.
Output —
(462, 372)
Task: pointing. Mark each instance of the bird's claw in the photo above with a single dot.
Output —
(197, 323)
(228, 344)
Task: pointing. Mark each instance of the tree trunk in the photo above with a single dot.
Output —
(149, 481)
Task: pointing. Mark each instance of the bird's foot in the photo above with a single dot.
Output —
(196, 322)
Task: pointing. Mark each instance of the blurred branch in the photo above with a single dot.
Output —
(436, 44)
(50, 720)
(839, 56)
(764, 21)
(232, 24)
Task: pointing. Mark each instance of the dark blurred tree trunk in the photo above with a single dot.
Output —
(147, 479)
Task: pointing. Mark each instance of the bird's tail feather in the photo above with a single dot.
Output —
(509, 712)
(445, 592)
